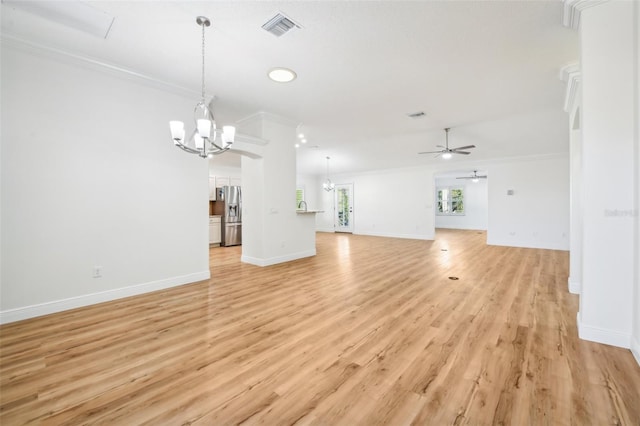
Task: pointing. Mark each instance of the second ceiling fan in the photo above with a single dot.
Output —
(474, 178)
(447, 152)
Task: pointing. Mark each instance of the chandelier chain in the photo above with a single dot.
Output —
(203, 25)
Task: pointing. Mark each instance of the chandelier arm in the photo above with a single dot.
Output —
(187, 149)
(218, 152)
(214, 144)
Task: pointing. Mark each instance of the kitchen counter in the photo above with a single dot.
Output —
(309, 211)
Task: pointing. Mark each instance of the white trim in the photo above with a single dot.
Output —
(635, 349)
(76, 59)
(47, 308)
(275, 260)
(331, 230)
(250, 139)
(603, 335)
(573, 9)
(392, 235)
(575, 287)
(563, 246)
(571, 75)
(263, 115)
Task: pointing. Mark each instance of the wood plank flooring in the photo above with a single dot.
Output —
(371, 331)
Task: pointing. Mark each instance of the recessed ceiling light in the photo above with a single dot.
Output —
(282, 75)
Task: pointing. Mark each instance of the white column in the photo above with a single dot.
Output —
(571, 76)
(635, 341)
(272, 231)
(609, 115)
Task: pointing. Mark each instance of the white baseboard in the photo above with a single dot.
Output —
(547, 245)
(635, 349)
(575, 287)
(279, 259)
(332, 230)
(46, 308)
(602, 335)
(393, 235)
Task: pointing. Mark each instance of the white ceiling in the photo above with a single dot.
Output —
(487, 69)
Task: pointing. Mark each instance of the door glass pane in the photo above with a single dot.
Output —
(343, 207)
(299, 196)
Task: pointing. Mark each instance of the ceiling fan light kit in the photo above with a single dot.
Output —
(203, 139)
(446, 153)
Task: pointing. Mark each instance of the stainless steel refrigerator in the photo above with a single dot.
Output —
(231, 197)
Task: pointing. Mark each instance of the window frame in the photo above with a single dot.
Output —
(450, 200)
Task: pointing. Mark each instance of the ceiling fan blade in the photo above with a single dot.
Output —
(431, 152)
(463, 147)
(440, 146)
(465, 177)
(460, 152)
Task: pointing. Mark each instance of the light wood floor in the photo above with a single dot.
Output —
(369, 331)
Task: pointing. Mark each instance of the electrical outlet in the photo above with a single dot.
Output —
(97, 272)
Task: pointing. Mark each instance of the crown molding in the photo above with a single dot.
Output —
(66, 57)
(572, 10)
(261, 116)
(240, 137)
(571, 75)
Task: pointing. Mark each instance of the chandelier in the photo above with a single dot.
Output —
(203, 139)
(328, 185)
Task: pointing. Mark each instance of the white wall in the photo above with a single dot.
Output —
(400, 202)
(537, 214)
(91, 177)
(576, 231)
(610, 115)
(312, 188)
(224, 171)
(272, 230)
(475, 205)
(389, 203)
(635, 344)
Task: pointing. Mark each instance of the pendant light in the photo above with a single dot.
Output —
(328, 185)
(203, 139)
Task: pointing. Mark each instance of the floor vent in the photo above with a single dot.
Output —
(280, 24)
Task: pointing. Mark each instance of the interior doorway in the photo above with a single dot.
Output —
(461, 200)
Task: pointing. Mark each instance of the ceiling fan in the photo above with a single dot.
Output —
(474, 178)
(447, 152)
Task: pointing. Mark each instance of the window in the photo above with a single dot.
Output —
(299, 195)
(450, 201)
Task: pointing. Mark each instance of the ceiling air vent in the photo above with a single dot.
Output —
(418, 114)
(280, 24)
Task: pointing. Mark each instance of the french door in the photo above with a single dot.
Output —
(344, 207)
